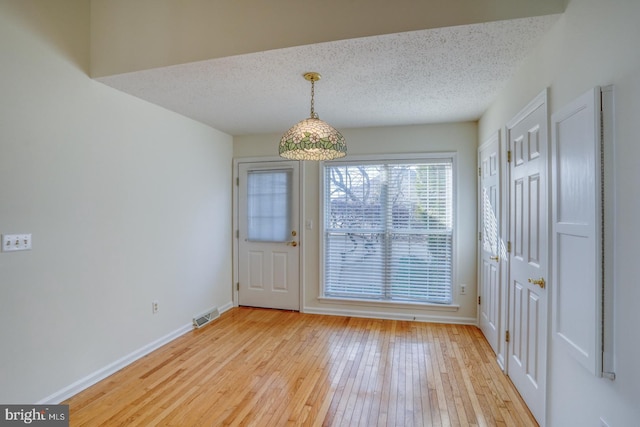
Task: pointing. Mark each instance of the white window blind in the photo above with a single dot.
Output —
(388, 230)
(269, 205)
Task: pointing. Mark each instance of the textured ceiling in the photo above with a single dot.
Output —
(430, 76)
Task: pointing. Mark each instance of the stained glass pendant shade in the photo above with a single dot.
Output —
(312, 138)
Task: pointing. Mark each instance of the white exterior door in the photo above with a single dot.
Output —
(268, 235)
(490, 254)
(527, 136)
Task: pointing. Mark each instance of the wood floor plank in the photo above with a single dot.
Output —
(258, 367)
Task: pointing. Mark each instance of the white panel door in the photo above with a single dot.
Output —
(577, 238)
(528, 273)
(490, 254)
(268, 236)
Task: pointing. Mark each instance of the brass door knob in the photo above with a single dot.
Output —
(292, 243)
(540, 282)
(494, 258)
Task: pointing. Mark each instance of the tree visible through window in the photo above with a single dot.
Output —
(388, 230)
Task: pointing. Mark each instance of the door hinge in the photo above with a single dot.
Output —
(509, 247)
(480, 235)
(479, 300)
(237, 286)
(237, 234)
(238, 181)
(479, 171)
(506, 336)
(509, 156)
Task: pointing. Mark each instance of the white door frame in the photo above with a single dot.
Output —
(236, 222)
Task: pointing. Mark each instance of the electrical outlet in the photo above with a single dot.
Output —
(16, 242)
(463, 289)
(154, 307)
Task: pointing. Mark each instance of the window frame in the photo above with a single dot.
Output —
(390, 159)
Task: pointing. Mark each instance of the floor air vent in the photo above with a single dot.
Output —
(203, 319)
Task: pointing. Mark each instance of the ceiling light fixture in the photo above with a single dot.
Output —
(312, 139)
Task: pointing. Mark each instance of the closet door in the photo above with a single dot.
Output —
(490, 252)
(527, 135)
(577, 230)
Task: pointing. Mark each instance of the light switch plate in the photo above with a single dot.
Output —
(16, 242)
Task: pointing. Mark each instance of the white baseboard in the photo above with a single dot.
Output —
(114, 367)
(500, 360)
(392, 316)
(228, 306)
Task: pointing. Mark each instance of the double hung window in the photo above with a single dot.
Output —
(388, 230)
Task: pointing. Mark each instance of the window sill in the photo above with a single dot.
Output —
(390, 304)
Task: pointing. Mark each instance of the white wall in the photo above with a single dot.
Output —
(594, 43)
(455, 137)
(127, 203)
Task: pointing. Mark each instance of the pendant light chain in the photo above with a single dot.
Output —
(313, 114)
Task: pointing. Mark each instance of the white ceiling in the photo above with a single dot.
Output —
(430, 76)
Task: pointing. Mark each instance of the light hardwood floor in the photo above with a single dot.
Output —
(275, 368)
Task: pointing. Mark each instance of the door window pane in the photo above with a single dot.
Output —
(269, 205)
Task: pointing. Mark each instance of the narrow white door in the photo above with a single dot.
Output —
(528, 141)
(490, 256)
(576, 230)
(268, 236)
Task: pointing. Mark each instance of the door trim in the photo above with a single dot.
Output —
(236, 224)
